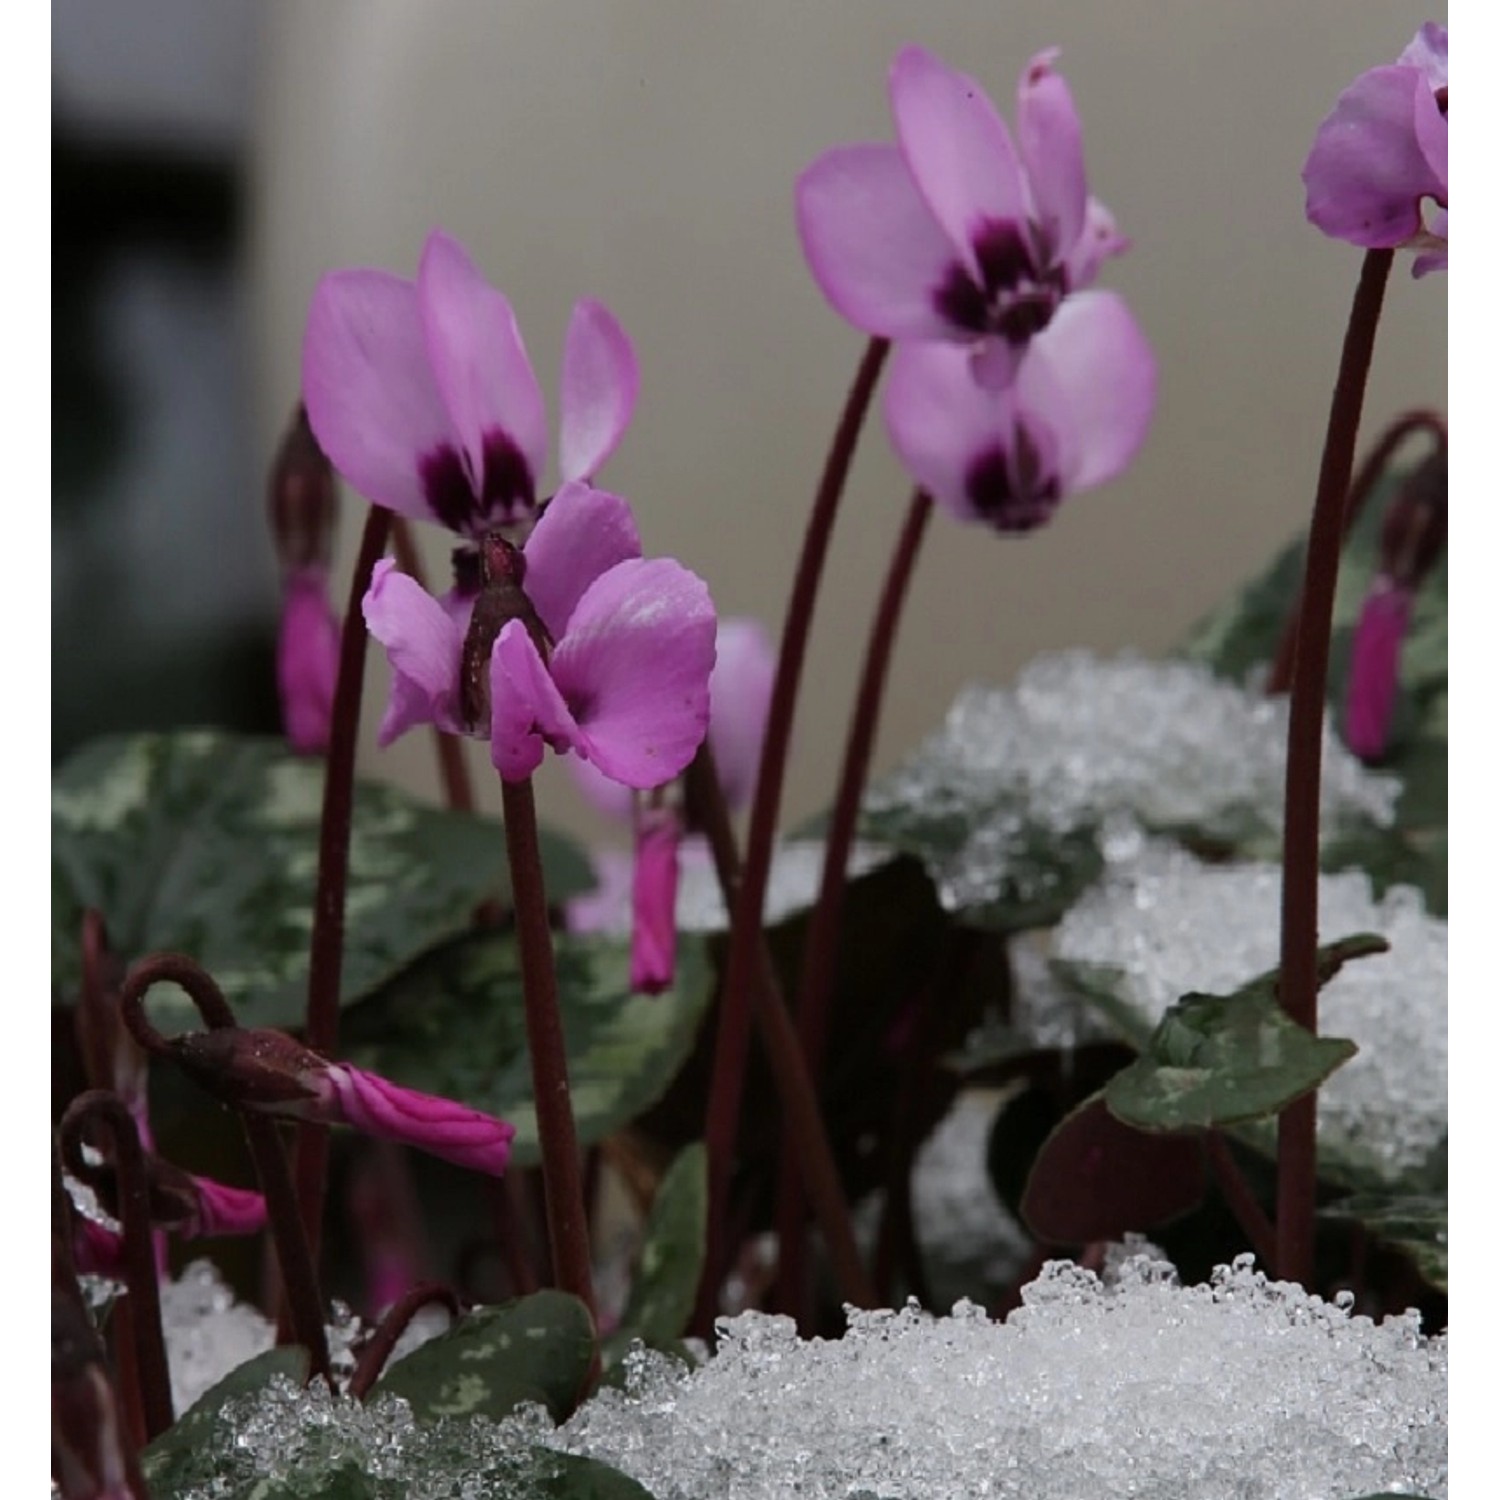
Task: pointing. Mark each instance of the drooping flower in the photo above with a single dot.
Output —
(307, 660)
(958, 232)
(739, 702)
(574, 641)
(1075, 416)
(1413, 535)
(1377, 175)
(267, 1071)
(302, 505)
(423, 396)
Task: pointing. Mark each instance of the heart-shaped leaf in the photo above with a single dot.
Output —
(182, 1457)
(454, 1024)
(538, 1348)
(1096, 1178)
(1217, 1060)
(207, 844)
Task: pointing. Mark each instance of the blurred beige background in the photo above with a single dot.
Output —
(643, 151)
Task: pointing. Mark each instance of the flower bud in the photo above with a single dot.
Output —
(302, 499)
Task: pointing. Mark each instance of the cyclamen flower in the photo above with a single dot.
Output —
(1382, 155)
(958, 233)
(575, 642)
(739, 699)
(267, 1071)
(307, 660)
(423, 396)
(1075, 416)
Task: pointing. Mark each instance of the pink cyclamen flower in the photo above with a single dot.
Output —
(653, 932)
(739, 702)
(307, 660)
(1375, 668)
(1381, 157)
(264, 1070)
(574, 641)
(1075, 416)
(422, 395)
(958, 232)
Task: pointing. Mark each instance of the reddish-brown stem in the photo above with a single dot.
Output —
(458, 789)
(1296, 1153)
(294, 1256)
(821, 950)
(326, 956)
(1360, 490)
(1242, 1202)
(99, 1106)
(567, 1217)
(732, 1042)
(799, 1102)
(374, 1355)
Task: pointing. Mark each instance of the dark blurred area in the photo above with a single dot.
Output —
(163, 589)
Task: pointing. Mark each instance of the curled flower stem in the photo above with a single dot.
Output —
(293, 1253)
(392, 1326)
(1363, 486)
(1296, 1146)
(820, 952)
(732, 1042)
(458, 789)
(150, 1351)
(567, 1218)
(799, 1100)
(326, 956)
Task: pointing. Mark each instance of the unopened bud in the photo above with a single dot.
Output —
(251, 1069)
(302, 499)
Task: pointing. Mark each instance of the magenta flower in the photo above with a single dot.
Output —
(574, 641)
(653, 933)
(307, 660)
(1375, 668)
(739, 702)
(1381, 157)
(422, 395)
(1075, 416)
(956, 232)
(267, 1071)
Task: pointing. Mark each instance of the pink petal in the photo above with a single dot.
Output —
(487, 383)
(225, 1210)
(307, 660)
(940, 420)
(441, 1127)
(425, 648)
(957, 147)
(599, 384)
(653, 937)
(370, 396)
(739, 690)
(1375, 668)
(1100, 240)
(582, 534)
(1051, 141)
(871, 242)
(527, 712)
(98, 1250)
(1091, 376)
(1428, 52)
(634, 668)
(1370, 164)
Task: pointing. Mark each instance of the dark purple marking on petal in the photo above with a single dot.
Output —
(506, 494)
(1010, 488)
(1021, 288)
